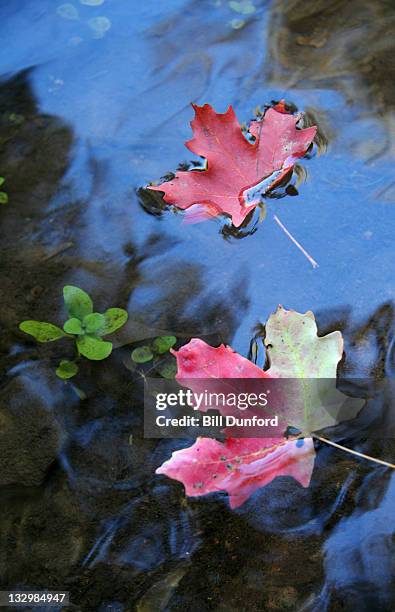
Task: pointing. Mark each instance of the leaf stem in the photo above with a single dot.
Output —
(296, 243)
(352, 452)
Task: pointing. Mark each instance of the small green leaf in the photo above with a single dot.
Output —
(94, 322)
(77, 301)
(73, 326)
(66, 369)
(41, 331)
(3, 197)
(94, 348)
(115, 318)
(162, 344)
(142, 354)
(2, 180)
(168, 369)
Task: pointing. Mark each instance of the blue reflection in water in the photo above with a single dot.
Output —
(358, 554)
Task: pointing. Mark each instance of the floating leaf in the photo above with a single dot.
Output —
(3, 197)
(201, 367)
(94, 323)
(295, 351)
(142, 354)
(239, 466)
(238, 172)
(93, 348)
(73, 326)
(2, 180)
(114, 319)
(77, 301)
(66, 369)
(41, 331)
(200, 360)
(162, 344)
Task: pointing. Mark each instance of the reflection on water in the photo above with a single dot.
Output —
(89, 115)
(360, 581)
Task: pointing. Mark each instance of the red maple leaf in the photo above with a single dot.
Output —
(197, 359)
(238, 172)
(239, 466)
(198, 362)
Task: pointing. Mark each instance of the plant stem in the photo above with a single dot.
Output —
(352, 452)
(296, 243)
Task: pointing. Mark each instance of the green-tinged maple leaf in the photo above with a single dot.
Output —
(295, 351)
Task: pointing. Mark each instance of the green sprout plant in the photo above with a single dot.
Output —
(3, 194)
(157, 355)
(84, 326)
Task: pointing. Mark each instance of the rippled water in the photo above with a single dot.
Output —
(95, 103)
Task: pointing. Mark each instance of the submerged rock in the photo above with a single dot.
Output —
(30, 434)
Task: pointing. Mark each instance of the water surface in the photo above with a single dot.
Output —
(95, 103)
